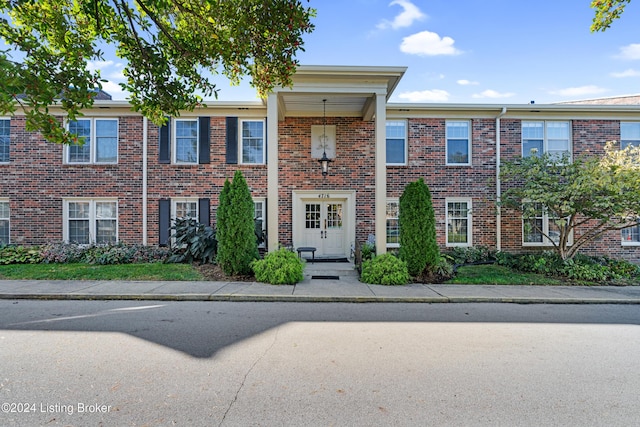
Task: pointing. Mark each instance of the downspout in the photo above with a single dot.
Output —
(145, 125)
(498, 187)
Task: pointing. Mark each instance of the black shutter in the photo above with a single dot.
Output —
(204, 212)
(266, 152)
(204, 142)
(232, 140)
(164, 221)
(165, 143)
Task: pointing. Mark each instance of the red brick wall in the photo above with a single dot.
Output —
(352, 169)
(196, 181)
(588, 138)
(427, 159)
(36, 181)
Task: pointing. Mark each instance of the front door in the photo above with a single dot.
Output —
(324, 227)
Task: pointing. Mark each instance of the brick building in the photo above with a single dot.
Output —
(131, 177)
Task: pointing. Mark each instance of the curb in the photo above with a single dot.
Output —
(316, 299)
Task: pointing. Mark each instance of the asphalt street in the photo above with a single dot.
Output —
(237, 364)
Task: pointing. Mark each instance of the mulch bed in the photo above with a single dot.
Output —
(214, 273)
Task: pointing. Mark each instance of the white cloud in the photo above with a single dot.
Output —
(427, 43)
(490, 93)
(626, 73)
(114, 90)
(464, 82)
(631, 52)
(579, 91)
(435, 95)
(409, 14)
(99, 65)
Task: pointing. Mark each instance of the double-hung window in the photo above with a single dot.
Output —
(629, 134)
(631, 236)
(458, 222)
(458, 137)
(185, 141)
(396, 131)
(185, 208)
(393, 224)
(550, 137)
(252, 146)
(91, 221)
(5, 132)
(4, 222)
(98, 141)
(538, 225)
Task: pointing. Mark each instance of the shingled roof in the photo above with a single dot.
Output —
(614, 100)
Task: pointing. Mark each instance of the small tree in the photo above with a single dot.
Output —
(590, 194)
(418, 246)
(237, 243)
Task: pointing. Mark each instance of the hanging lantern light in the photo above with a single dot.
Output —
(324, 160)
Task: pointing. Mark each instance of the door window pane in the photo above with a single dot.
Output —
(312, 215)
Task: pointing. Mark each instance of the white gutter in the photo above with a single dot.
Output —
(145, 124)
(498, 187)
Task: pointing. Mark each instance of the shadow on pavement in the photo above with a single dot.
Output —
(201, 329)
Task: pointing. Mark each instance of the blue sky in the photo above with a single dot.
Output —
(470, 51)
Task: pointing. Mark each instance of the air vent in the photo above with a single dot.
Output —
(326, 277)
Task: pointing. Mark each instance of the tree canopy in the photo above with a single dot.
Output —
(591, 195)
(171, 47)
(607, 11)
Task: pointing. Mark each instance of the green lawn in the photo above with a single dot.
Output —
(493, 274)
(81, 271)
(469, 275)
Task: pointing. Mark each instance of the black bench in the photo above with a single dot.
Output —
(307, 249)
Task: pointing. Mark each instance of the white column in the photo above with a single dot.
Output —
(381, 174)
(272, 172)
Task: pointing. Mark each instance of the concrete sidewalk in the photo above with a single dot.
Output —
(349, 289)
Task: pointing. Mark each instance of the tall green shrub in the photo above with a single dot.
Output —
(237, 244)
(418, 246)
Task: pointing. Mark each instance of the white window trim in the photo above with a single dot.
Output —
(241, 141)
(469, 202)
(6, 200)
(9, 120)
(623, 241)
(392, 200)
(262, 200)
(546, 242)
(406, 143)
(174, 141)
(469, 143)
(545, 139)
(174, 207)
(93, 152)
(92, 216)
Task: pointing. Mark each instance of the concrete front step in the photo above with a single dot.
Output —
(330, 269)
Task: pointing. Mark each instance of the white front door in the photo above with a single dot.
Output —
(324, 227)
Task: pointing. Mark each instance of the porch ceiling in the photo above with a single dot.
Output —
(349, 91)
(311, 105)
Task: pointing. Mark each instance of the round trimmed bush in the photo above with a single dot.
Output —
(385, 269)
(281, 267)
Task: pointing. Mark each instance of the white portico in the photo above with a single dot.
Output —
(326, 218)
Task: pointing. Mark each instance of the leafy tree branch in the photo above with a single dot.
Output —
(171, 48)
